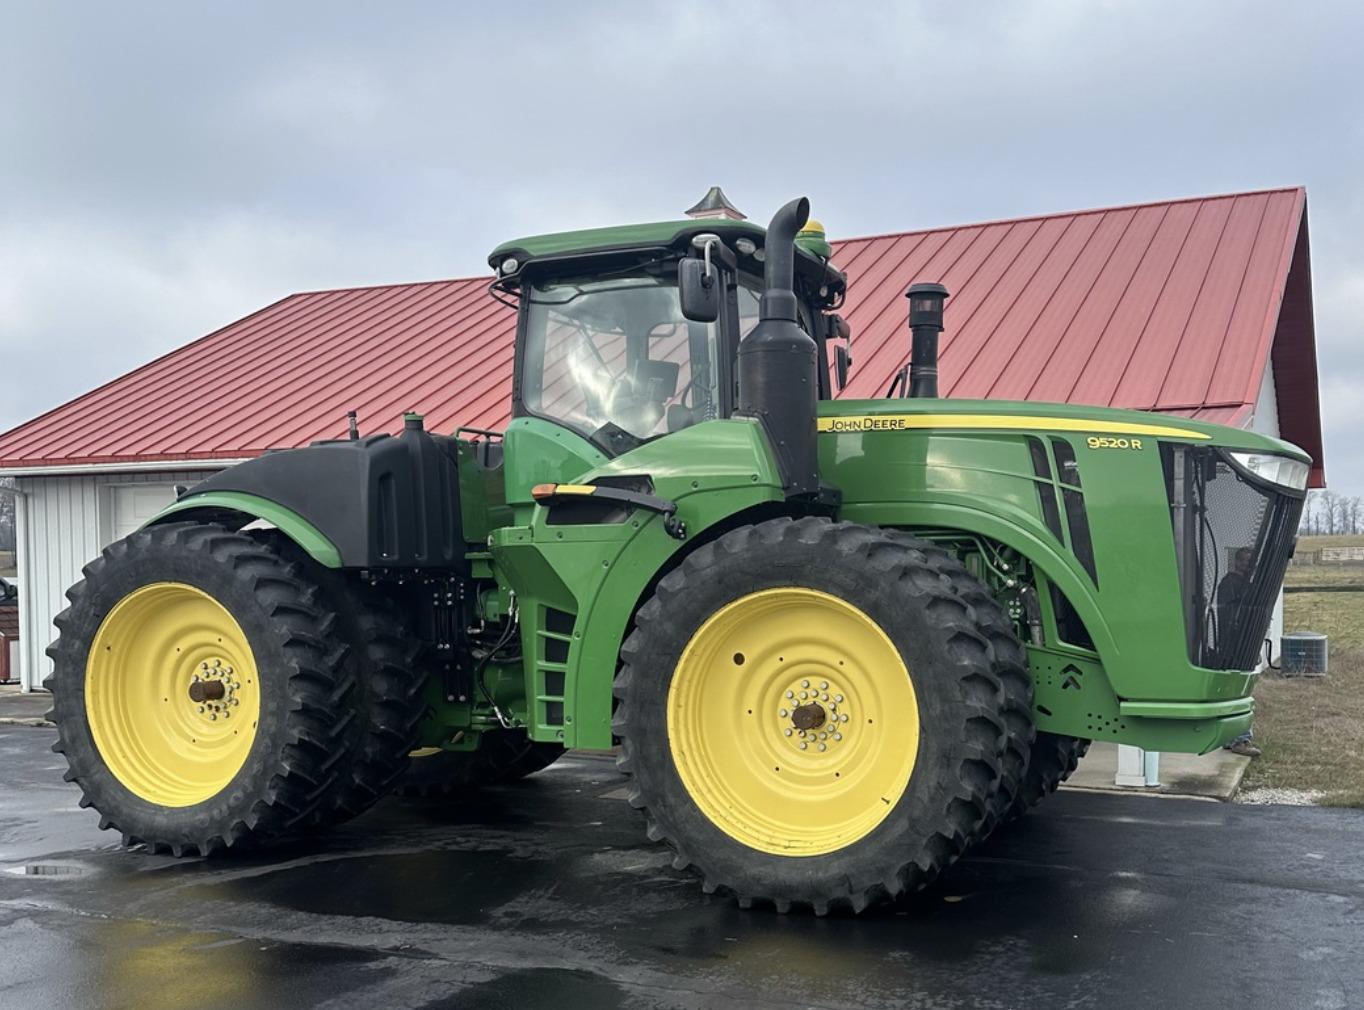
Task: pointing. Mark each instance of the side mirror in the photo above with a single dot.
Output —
(842, 363)
(698, 289)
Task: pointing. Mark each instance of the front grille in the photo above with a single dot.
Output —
(1233, 537)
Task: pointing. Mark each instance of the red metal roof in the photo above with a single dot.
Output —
(1174, 306)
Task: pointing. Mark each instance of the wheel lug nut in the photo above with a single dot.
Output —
(824, 685)
(838, 698)
(838, 736)
(822, 747)
(845, 716)
(788, 732)
(790, 694)
(782, 713)
(804, 683)
(803, 745)
(201, 708)
(826, 697)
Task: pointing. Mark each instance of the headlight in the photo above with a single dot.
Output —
(1281, 470)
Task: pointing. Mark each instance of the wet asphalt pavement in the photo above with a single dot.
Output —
(546, 894)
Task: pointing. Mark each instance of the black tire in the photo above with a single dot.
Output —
(1010, 661)
(502, 756)
(1054, 759)
(385, 660)
(960, 697)
(305, 689)
(389, 701)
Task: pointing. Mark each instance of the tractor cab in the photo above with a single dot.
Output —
(628, 334)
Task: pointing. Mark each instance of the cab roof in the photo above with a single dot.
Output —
(657, 235)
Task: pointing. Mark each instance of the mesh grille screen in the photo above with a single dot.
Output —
(1233, 538)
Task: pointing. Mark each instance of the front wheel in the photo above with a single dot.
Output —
(1054, 759)
(811, 714)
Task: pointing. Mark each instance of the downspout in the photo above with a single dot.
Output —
(22, 557)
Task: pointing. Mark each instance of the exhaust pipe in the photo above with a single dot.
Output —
(778, 360)
(925, 323)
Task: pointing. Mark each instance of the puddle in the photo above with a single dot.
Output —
(534, 988)
(450, 887)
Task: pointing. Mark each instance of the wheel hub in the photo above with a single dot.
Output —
(816, 712)
(214, 689)
(811, 716)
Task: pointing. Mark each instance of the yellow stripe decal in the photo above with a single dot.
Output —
(575, 489)
(1011, 422)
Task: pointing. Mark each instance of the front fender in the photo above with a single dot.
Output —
(1011, 527)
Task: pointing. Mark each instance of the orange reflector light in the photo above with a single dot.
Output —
(542, 491)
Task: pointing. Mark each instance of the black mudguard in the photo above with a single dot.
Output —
(384, 501)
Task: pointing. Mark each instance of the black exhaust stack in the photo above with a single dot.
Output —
(925, 323)
(777, 360)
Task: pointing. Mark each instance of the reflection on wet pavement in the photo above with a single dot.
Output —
(547, 894)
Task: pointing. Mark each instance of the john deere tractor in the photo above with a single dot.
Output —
(835, 641)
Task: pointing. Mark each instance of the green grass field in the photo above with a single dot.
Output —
(1312, 729)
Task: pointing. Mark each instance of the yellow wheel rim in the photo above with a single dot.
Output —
(172, 695)
(792, 722)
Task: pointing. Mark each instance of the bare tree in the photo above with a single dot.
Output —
(1305, 524)
(6, 516)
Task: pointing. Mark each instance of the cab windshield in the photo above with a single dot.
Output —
(615, 359)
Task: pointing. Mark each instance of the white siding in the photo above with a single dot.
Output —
(67, 522)
(1265, 420)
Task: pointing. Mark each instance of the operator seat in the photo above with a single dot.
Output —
(647, 387)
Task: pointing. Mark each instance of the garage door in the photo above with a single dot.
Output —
(133, 505)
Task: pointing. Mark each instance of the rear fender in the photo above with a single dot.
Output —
(236, 509)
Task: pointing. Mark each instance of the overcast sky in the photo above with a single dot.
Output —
(166, 169)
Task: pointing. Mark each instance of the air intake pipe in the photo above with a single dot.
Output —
(925, 323)
(777, 361)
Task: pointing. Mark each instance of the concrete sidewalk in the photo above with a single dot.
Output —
(1214, 776)
(19, 709)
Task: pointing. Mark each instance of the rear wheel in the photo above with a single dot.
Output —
(502, 756)
(198, 698)
(384, 659)
(810, 715)
(386, 662)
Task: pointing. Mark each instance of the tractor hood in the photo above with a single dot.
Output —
(853, 416)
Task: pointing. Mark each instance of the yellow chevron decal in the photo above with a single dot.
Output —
(1009, 422)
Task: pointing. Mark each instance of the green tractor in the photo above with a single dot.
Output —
(836, 641)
